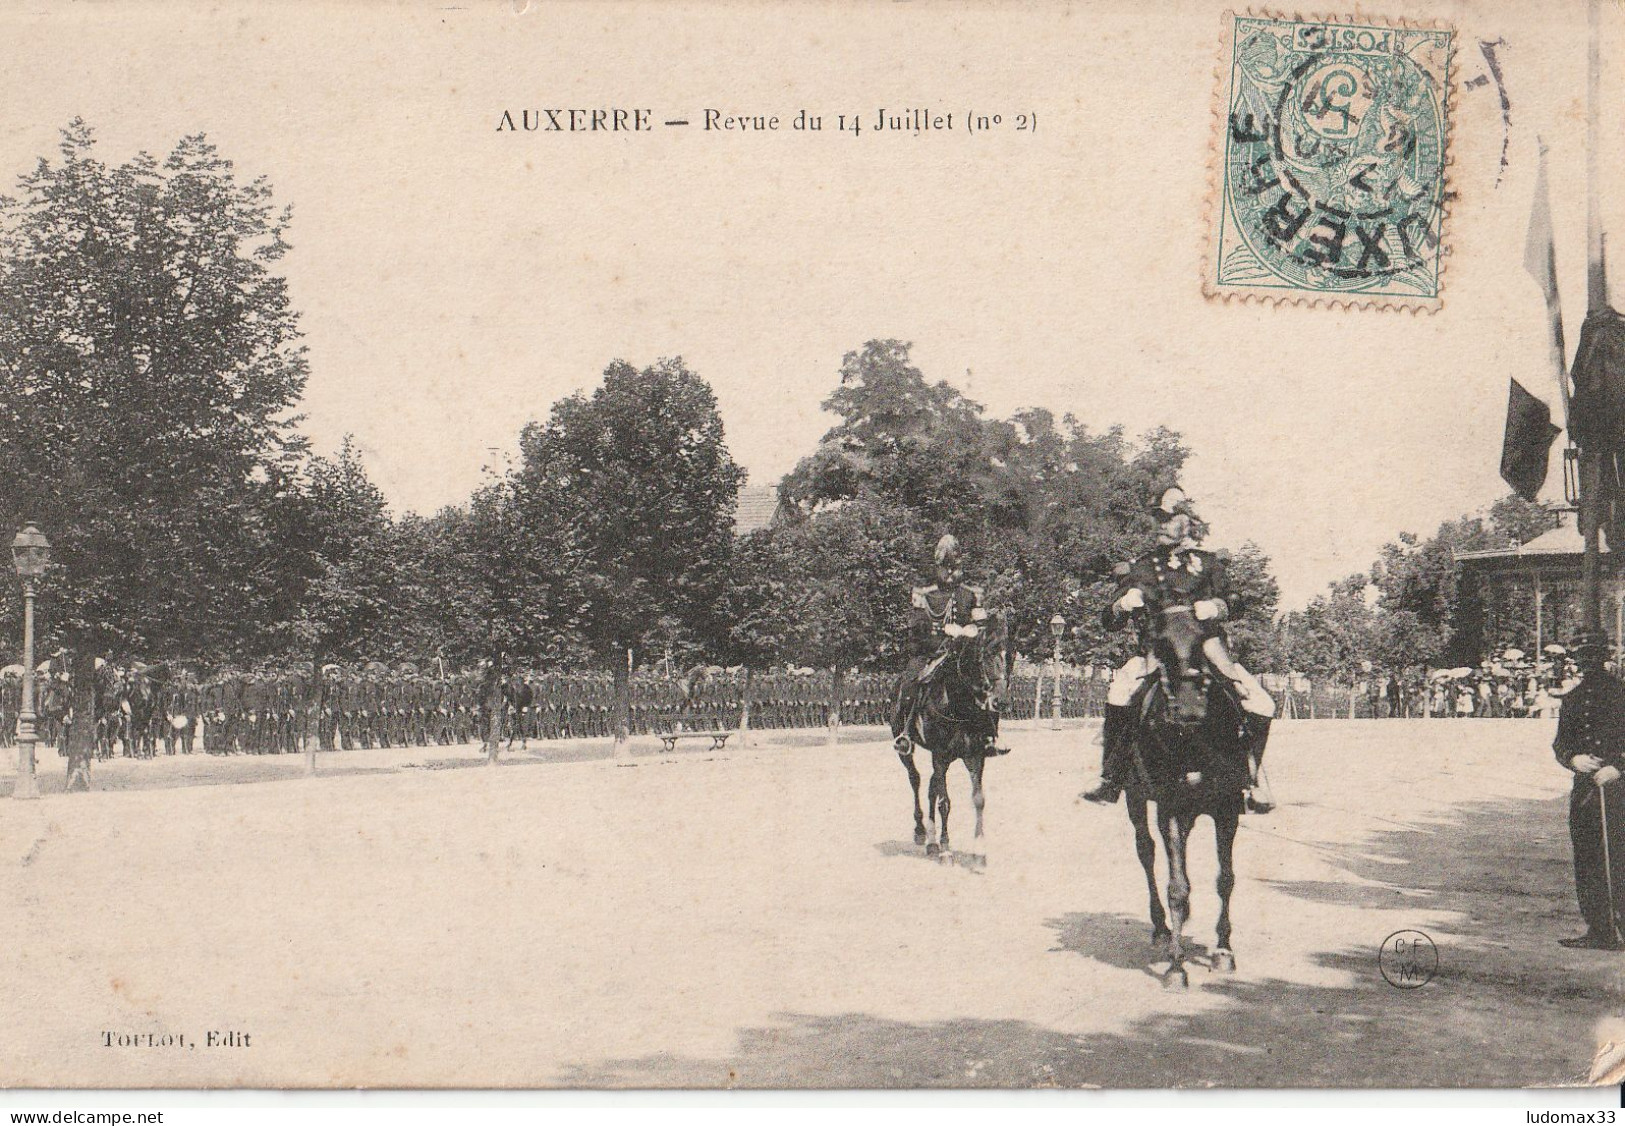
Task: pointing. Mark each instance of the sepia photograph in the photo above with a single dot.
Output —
(833, 545)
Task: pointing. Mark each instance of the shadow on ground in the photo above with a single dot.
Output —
(170, 772)
(1509, 1007)
(967, 859)
(52, 773)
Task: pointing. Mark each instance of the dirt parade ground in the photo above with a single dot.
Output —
(760, 917)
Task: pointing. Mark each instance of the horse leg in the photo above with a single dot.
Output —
(933, 845)
(1224, 837)
(939, 769)
(1175, 834)
(907, 759)
(974, 764)
(1146, 847)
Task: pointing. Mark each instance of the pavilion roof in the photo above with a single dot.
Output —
(1560, 541)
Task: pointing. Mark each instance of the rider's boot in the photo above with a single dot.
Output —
(1258, 796)
(1114, 733)
(902, 707)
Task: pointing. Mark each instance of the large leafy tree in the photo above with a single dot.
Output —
(1257, 594)
(633, 489)
(149, 365)
(1044, 507)
(343, 540)
(1335, 637)
(830, 591)
(1434, 619)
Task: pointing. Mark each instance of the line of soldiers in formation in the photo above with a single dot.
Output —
(140, 709)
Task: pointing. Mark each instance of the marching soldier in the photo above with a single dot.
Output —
(946, 608)
(1591, 743)
(332, 708)
(1177, 572)
(371, 700)
(251, 710)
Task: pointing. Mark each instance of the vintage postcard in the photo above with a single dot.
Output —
(821, 545)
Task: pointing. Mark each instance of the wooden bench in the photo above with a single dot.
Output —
(672, 729)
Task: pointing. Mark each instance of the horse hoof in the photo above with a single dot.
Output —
(1224, 962)
(1176, 979)
(919, 836)
(1161, 941)
(933, 849)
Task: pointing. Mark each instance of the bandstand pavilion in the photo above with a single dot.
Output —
(1534, 592)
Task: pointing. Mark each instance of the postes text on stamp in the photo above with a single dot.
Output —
(1330, 164)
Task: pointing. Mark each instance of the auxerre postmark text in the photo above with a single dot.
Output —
(1330, 162)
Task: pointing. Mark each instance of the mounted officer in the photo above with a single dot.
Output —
(1177, 572)
(947, 608)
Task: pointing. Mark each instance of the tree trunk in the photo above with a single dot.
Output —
(494, 706)
(744, 711)
(1354, 690)
(314, 707)
(81, 733)
(834, 729)
(623, 707)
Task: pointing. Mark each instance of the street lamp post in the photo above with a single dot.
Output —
(1057, 627)
(30, 552)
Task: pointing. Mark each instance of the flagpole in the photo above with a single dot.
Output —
(1596, 249)
(1596, 301)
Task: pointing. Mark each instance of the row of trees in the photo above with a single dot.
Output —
(1411, 609)
(150, 376)
(151, 372)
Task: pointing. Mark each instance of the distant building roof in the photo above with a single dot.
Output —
(758, 505)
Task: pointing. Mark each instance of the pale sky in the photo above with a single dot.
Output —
(456, 281)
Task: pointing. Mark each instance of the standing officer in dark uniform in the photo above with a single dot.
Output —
(947, 608)
(1591, 742)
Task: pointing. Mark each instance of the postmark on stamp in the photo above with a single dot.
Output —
(1330, 163)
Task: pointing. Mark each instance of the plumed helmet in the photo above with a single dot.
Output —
(947, 553)
(1173, 500)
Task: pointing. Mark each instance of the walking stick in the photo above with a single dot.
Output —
(1607, 865)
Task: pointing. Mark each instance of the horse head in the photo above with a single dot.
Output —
(1186, 679)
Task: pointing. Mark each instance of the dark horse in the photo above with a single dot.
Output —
(1190, 759)
(955, 711)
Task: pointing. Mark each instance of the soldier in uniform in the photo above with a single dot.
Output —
(371, 701)
(214, 708)
(946, 608)
(192, 706)
(346, 733)
(11, 696)
(1591, 742)
(1177, 572)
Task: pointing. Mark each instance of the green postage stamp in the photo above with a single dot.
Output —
(1330, 165)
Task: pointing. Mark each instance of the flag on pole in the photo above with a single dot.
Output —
(1528, 442)
(1597, 421)
(1540, 259)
